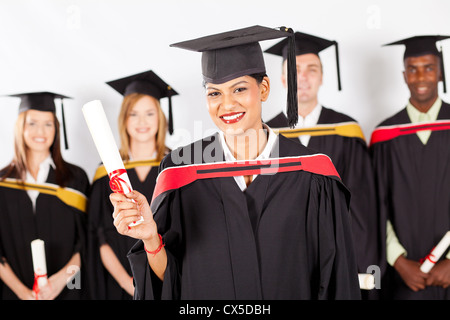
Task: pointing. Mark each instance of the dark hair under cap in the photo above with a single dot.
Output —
(237, 53)
(422, 45)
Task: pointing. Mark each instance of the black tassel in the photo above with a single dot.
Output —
(337, 66)
(292, 104)
(443, 71)
(170, 116)
(66, 144)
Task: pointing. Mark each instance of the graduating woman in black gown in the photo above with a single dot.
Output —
(42, 197)
(234, 218)
(142, 130)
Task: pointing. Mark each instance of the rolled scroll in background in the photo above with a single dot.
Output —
(39, 264)
(435, 254)
(366, 281)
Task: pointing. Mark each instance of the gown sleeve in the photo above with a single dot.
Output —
(147, 285)
(2, 257)
(2, 261)
(82, 184)
(359, 179)
(98, 206)
(380, 162)
(331, 241)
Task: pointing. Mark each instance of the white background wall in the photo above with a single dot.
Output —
(73, 47)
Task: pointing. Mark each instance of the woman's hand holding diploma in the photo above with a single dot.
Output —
(130, 208)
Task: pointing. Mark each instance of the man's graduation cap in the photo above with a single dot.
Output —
(423, 45)
(43, 101)
(237, 53)
(146, 83)
(306, 43)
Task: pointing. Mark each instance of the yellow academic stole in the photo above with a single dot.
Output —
(69, 196)
(101, 170)
(346, 129)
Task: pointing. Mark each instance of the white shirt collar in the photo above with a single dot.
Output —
(265, 154)
(433, 112)
(309, 121)
(44, 169)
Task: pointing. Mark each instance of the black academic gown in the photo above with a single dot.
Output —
(102, 230)
(413, 182)
(62, 227)
(352, 160)
(286, 237)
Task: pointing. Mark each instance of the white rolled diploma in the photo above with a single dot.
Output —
(436, 253)
(366, 281)
(106, 145)
(39, 262)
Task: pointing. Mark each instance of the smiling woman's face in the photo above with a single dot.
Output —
(142, 120)
(235, 106)
(39, 130)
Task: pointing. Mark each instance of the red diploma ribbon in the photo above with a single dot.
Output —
(116, 183)
(430, 257)
(36, 285)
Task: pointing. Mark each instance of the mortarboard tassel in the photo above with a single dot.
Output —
(170, 116)
(337, 66)
(292, 108)
(443, 71)
(64, 126)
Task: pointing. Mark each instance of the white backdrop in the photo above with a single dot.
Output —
(73, 47)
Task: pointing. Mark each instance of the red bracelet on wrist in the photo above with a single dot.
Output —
(161, 245)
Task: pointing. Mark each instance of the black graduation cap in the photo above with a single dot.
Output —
(148, 83)
(43, 101)
(232, 54)
(306, 43)
(423, 45)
